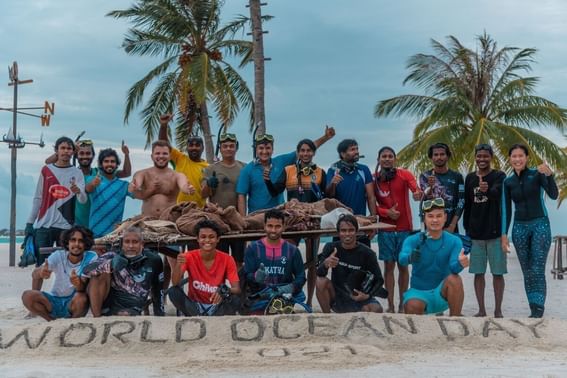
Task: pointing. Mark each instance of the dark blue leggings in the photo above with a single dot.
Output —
(532, 240)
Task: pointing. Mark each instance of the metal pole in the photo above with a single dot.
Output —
(14, 176)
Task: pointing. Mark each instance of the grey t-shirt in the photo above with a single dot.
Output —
(60, 265)
(225, 194)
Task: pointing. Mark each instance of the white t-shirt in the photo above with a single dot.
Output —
(60, 265)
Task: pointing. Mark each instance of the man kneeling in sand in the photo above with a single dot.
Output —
(67, 298)
(437, 257)
(208, 269)
(356, 277)
(122, 282)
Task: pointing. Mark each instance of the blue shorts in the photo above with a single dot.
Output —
(488, 251)
(343, 304)
(390, 244)
(59, 305)
(434, 301)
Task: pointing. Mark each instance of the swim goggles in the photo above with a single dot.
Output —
(436, 203)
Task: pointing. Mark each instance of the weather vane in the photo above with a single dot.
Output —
(15, 141)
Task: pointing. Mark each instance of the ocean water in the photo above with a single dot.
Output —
(6, 240)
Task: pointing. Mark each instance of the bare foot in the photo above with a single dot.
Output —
(401, 310)
(498, 314)
(390, 310)
(480, 314)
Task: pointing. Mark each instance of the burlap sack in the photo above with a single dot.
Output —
(233, 218)
(254, 222)
(186, 223)
(327, 204)
(172, 213)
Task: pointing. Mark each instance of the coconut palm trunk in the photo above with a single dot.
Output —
(258, 56)
(207, 136)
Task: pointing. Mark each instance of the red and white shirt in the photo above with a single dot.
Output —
(203, 282)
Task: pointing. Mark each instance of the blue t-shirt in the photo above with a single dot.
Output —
(107, 205)
(82, 210)
(251, 182)
(439, 258)
(352, 190)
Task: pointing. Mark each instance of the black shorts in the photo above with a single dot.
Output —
(236, 248)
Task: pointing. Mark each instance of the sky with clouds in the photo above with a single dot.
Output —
(331, 62)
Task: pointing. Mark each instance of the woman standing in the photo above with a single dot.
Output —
(531, 233)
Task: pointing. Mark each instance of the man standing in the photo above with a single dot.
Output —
(219, 186)
(442, 182)
(190, 165)
(356, 277)
(482, 222)
(305, 181)
(208, 270)
(351, 182)
(392, 186)
(67, 298)
(260, 182)
(273, 266)
(159, 185)
(122, 282)
(53, 208)
(107, 194)
(437, 257)
(85, 154)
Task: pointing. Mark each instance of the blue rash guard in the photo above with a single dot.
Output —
(526, 190)
(439, 258)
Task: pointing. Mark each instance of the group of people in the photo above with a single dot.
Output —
(74, 205)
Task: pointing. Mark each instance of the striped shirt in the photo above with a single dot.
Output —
(107, 205)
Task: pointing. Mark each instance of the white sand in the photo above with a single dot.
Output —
(352, 345)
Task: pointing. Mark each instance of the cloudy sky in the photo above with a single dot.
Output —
(331, 62)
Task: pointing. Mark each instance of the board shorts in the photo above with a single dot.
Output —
(343, 304)
(488, 251)
(390, 244)
(434, 301)
(59, 305)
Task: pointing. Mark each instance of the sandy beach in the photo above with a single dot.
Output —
(300, 345)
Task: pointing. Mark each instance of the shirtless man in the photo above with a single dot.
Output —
(159, 185)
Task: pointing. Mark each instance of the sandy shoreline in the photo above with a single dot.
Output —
(496, 347)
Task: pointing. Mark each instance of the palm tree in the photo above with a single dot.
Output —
(476, 96)
(194, 73)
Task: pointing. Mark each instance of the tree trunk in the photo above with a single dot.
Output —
(207, 136)
(258, 43)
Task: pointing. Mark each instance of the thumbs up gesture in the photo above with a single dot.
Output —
(45, 272)
(431, 179)
(75, 280)
(213, 181)
(96, 180)
(544, 168)
(332, 261)
(260, 275)
(482, 185)
(181, 259)
(393, 212)
(74, 188)
(329, 132)
(463, 259)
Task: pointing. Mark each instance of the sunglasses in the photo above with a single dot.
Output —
(436, 203)
(264, 138)
(227, 137)
(278, 306)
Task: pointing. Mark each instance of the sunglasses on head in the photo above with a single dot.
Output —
(436, 203)
(227, 137)
(85, 142)
(264, 138)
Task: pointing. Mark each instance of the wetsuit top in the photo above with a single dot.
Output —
(352, 269)
(283, 263)
(526, 190)
(131, 285)
(439, 258)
